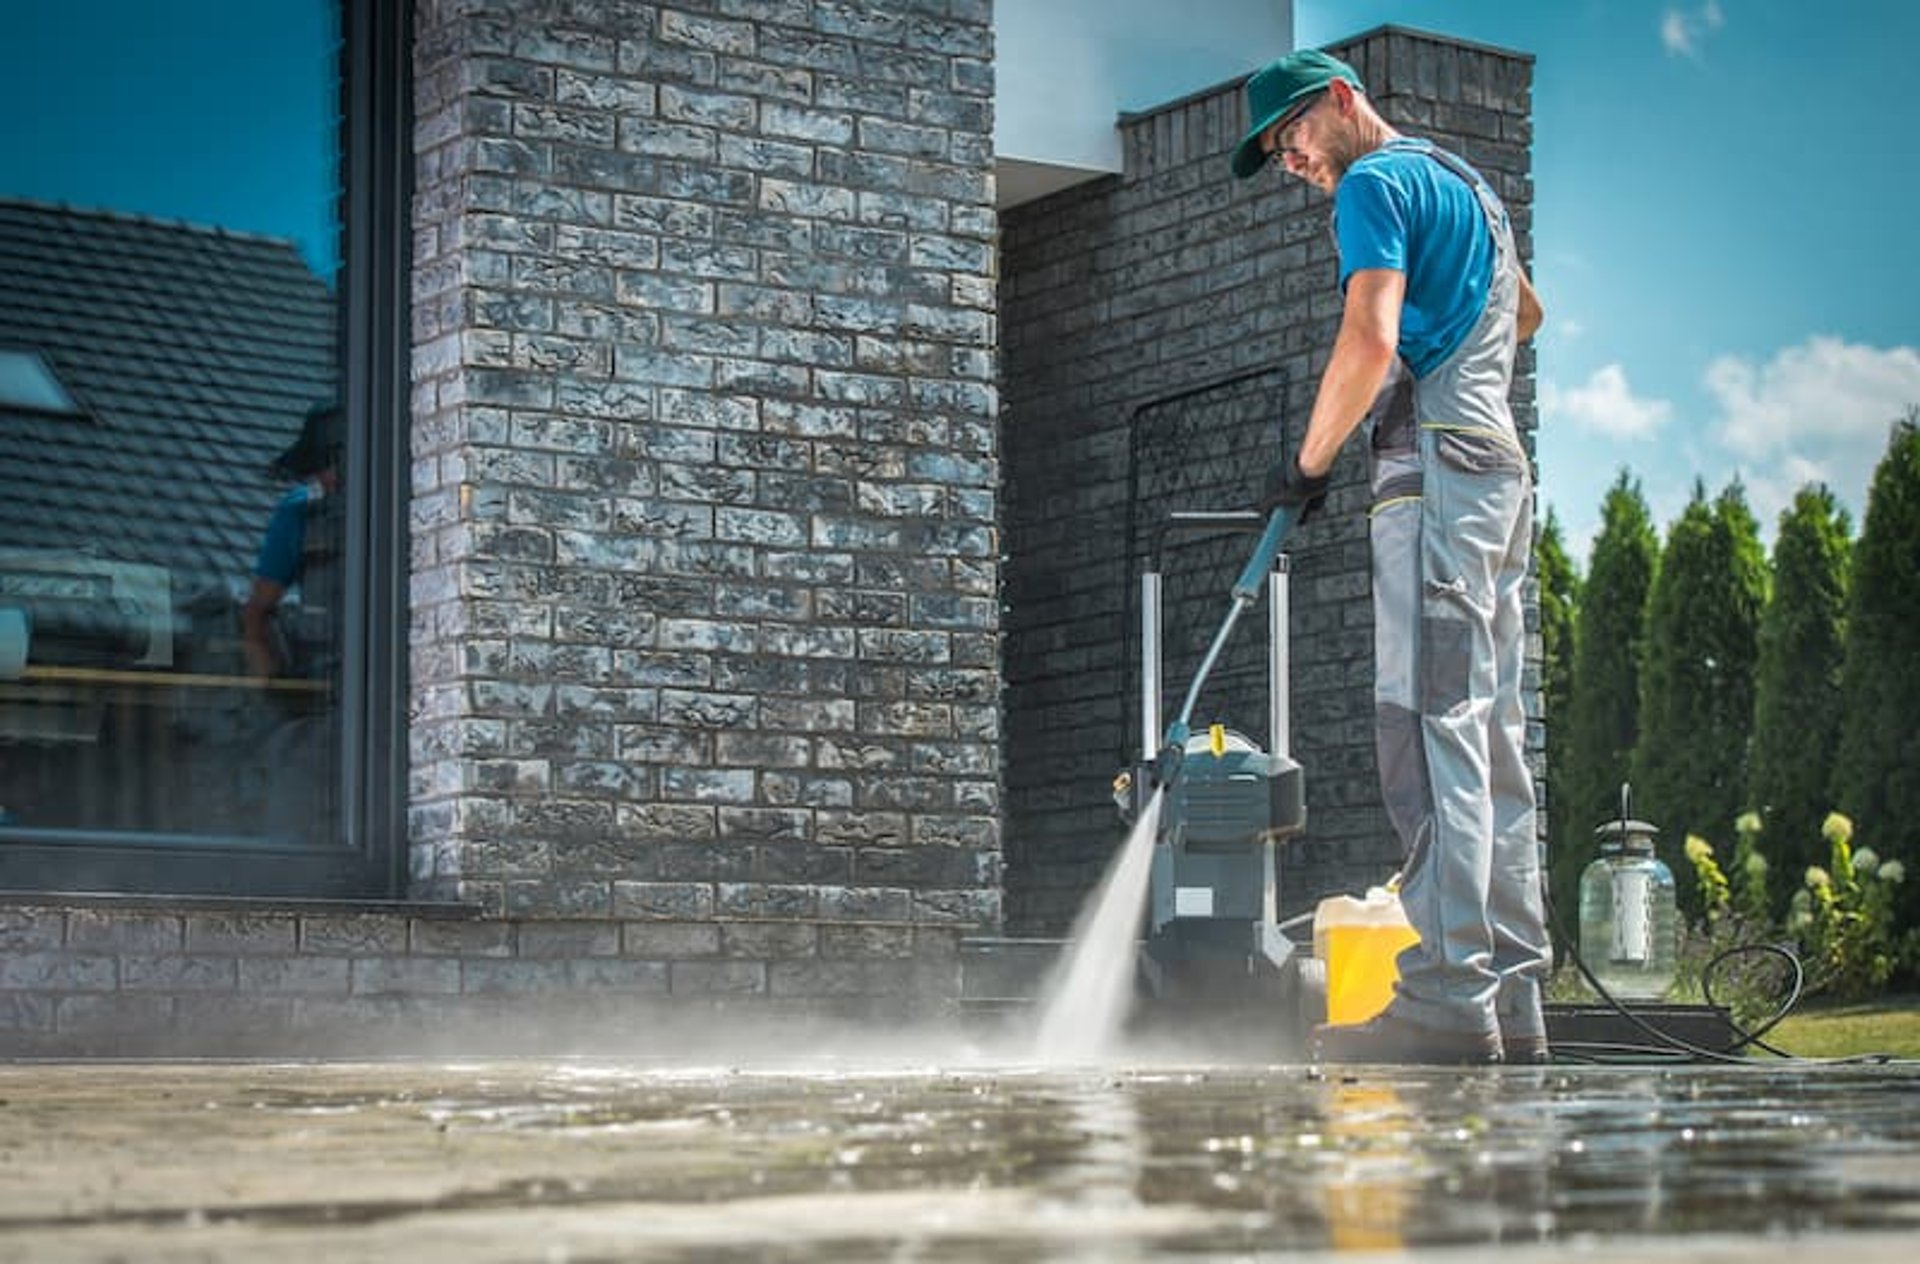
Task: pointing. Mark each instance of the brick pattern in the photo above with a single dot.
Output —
(1138, 315)
(93, 981)
(705, 573)
(706, 707)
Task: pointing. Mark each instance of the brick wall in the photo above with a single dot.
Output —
(1160, 329)
(705, 575)
(206, 978)
(706, 707)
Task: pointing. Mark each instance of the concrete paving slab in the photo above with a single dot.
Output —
(837, 1159)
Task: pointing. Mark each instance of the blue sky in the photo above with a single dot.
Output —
(1724, 194)
(109, 105)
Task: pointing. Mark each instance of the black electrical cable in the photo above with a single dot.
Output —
(1671, 1048)
(1753, 1038)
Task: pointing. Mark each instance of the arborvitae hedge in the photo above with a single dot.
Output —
(1877, 782)
(1559, 598)
(1797, 691)
(1603, 717)
(1696, 680)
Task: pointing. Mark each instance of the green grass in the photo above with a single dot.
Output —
(1888, 1025)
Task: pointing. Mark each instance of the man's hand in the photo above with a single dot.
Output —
(1288, 488)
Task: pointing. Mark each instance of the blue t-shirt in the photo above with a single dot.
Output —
(283, 551)
(1398, 208)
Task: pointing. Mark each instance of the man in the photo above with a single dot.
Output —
(294, 751)
(1435, 303)
(309, 463)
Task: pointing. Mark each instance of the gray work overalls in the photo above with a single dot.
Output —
(1452, 529)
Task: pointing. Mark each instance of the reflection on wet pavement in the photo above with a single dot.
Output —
(562, 1160)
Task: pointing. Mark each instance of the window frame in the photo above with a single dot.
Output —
(369, 859)
(377, 176)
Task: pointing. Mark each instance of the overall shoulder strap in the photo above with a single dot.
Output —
(1490, 202)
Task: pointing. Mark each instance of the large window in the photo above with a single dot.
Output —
(201, 263)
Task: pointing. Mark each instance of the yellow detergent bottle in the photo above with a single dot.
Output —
(1358, 941)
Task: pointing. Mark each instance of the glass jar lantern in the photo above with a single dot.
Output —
(1629, 921)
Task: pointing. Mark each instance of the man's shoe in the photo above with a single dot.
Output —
(1523, 1033)
(1523, 1022)
(1521, 1050)
(1388, 1038)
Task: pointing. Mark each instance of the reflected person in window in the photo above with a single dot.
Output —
(311, 463)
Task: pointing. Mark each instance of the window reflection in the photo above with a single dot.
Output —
(168, 377)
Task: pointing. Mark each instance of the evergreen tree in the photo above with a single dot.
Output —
(1797, 698)
(1604, 708)
(1877, 782)
(1559, 597)
(1696, 680)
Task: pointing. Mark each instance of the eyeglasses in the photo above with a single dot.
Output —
(1278, 154)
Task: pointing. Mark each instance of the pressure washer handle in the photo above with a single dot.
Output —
(1279, 526)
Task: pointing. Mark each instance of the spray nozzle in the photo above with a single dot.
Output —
(1173, 754)
(1167, 764)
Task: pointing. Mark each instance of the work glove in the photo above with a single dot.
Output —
(1288, 488)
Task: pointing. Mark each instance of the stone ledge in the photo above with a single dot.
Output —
(1200, 96)
(234, 904)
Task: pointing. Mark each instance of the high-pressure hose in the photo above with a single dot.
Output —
(1246, 590)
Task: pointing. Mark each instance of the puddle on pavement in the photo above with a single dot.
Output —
(563, 1160)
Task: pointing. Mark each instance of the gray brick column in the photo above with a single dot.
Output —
(1161, 329)
(705, 567)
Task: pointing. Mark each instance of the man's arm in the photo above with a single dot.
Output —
(273, 573)
(1530, 313)
(1363, 351)
(256, 620)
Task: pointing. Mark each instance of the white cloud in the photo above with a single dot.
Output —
(1681, 31)
(1604, 403)
(1814, 413)
(1674, 35)
(1818, 395)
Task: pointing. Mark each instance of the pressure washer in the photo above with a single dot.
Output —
(1214, 945)
(1213, 928)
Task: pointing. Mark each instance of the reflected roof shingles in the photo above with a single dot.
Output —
(168, 467)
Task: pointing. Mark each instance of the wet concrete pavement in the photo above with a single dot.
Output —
(848, 1159)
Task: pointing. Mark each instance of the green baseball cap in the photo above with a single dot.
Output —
(1275, 90)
